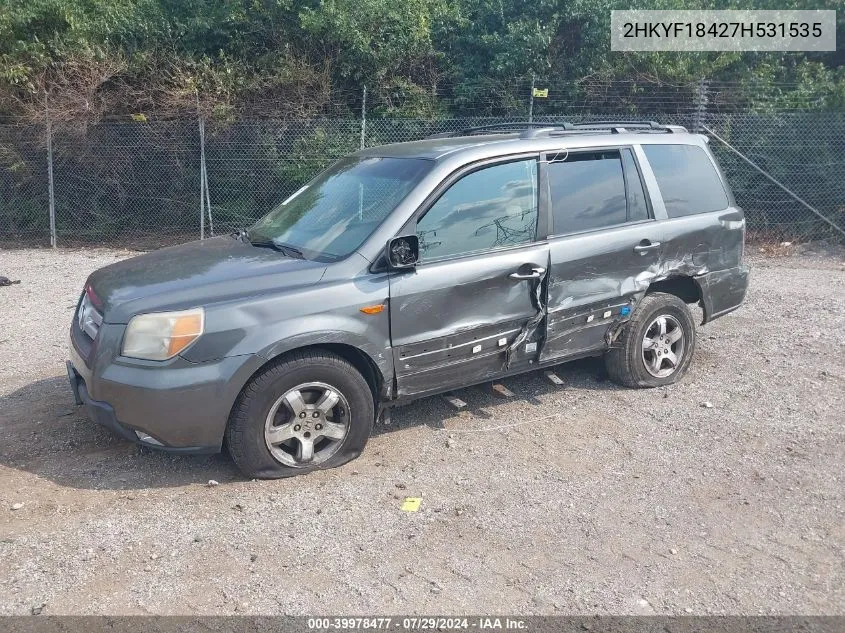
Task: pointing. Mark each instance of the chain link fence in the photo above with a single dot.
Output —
(123, 183)
(146, 184)
(804, 153)
(24, 190)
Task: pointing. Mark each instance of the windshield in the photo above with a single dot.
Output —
(333, 214)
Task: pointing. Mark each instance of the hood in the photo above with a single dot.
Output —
(196, 274)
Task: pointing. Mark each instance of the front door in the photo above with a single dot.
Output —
(605, 246)
(473, 303)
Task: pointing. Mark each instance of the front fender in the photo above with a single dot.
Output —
(379, 356)
(327, 313)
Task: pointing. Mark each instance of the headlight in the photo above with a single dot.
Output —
(162, 335)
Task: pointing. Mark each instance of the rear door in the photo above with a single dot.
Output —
(604, 242)
(457, 317)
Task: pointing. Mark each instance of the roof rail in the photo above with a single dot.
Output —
(616, 126)
(515, 126)
(618, 123)
(533, 129)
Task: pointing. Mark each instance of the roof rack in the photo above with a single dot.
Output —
(515, 126)
(653, 125)
(533, 129)
(616, 127)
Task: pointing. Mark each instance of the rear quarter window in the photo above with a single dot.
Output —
(688, 181)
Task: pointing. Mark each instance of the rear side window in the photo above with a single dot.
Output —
(687, 179)
(592, 190)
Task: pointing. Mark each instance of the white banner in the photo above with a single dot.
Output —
(640, 30)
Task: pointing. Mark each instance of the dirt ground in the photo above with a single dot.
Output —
(723, 494)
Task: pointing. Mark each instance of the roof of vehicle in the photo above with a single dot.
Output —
(531, 139)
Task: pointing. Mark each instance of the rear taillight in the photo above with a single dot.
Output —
(93, 298)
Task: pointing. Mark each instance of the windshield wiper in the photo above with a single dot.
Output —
(289, 250)
(285, 249)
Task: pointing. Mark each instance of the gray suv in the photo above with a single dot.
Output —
(408, 270)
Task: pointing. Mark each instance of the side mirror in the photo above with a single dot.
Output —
(403, 252)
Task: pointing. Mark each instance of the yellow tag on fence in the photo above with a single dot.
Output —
(411, 504)
(541, 92)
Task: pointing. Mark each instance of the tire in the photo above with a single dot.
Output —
(634, 363)
(269, 428)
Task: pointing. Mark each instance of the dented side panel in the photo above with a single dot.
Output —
(595, 280)
(708, 247)
(456, 321)
(722, 291)
(703, 243)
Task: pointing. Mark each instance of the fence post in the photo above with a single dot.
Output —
(364, 117)
(202, 177)
(50, 187)
(701, 105)
(207, 192)
(531, 102)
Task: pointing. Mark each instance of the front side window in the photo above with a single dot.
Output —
(687, 179)
(493, 207)
(333, 214)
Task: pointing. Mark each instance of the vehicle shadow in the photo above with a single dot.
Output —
(484, 406)
(43, 433)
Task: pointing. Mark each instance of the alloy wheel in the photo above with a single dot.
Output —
(663, 346)
(307, 424)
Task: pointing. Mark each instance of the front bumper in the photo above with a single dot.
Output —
(103, 414)
(179, 406)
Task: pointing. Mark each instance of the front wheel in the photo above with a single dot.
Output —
(311, 410)
(657, 345)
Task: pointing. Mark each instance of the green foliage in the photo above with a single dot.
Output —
(373, 39)
(309, 56)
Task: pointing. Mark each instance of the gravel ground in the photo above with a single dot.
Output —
(586, 498)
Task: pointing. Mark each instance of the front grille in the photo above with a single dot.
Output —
(88, 318)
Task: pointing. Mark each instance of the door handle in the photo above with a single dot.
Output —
(536, 273)
(645, 246)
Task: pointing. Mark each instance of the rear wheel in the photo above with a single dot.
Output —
(657, 345)
(311, 410)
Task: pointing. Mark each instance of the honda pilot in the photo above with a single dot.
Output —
(409, 270)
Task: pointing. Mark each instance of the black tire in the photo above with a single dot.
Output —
(625, 360)
(245, 431)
